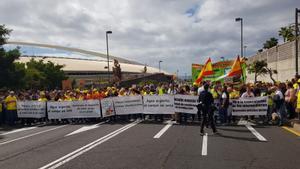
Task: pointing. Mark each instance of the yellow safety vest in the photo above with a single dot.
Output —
(160, 91)
(298, 100)
(214, 93)
(11, 102)
(42, 99)
(295, 86)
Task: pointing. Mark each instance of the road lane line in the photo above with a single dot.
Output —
(17, 130)
(30, 135)
(87, 147)
(254, 132)
(86, 128)
(163, 130)
(292, 131)
(204, 145)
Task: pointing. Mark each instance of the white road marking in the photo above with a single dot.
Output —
(243, 122)
(163, 130)
(30, 135)
(87, 147)
(254, 132)
(204, 145)
(17, 130)
(85, 128)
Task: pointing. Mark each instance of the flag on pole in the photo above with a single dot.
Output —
(236, 68)
(206, 70)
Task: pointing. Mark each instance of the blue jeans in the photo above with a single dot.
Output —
(223, 115)
(282, 114)
(11, 117)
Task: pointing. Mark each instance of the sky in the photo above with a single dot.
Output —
(177, 32)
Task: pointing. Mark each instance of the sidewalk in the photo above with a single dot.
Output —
(294, 127)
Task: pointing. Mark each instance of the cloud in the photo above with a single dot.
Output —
(178, 32)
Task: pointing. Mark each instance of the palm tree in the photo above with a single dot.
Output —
(286, 33)
(260, 68)
(270, 43)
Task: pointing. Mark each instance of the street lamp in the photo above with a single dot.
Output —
(296, 39)
(159, 64)
(107, 53)
(245, 47)
(241, 20)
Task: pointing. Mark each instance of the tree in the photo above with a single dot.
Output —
(34, 74)
(270, 43)
(34, 78)
(271, 73)
(260, 68)
(11, 74)
(50, 75)
(4, 34)
(286, 33)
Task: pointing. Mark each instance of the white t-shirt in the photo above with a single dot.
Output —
(224, 96)
(200, 89)
(279, 93)
(245, 95)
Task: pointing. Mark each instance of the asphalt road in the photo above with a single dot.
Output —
(148, 145)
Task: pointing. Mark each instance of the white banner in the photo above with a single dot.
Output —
(128, 105)
(159, 104)
(186, 104)
(107, 107)
(250, 106)
(74, 109)
(59, 110)
(86, 109)
(31, 109)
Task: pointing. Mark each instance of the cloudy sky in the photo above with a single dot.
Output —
(178, 32)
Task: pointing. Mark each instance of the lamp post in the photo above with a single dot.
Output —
(107, 53)
(296, 39)
(245, 47)
(241, 20)
(159, 65)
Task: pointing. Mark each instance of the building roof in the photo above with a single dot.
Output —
(81, 65)
(75, 50)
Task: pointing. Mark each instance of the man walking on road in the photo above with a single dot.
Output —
(206, 100)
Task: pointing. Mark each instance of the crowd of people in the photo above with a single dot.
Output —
(282, 98)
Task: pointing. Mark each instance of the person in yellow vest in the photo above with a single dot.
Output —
(122, 92)
(11, 108)
(298, 104)
(160, 90)
(1, 110)
(42, 97)
(80, 96)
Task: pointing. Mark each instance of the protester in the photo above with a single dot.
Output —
(11, 108)
(207, 102)
(1, 110)
(279, 104)
(224, 104)
(286, 92)
(290, 100)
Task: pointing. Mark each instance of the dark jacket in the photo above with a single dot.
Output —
(206, 99)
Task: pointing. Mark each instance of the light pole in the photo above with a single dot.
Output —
(241, 20)
(107, 53)
(159, 65)
(296, 39)
(245, 47)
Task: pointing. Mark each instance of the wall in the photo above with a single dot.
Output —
(281, 58)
